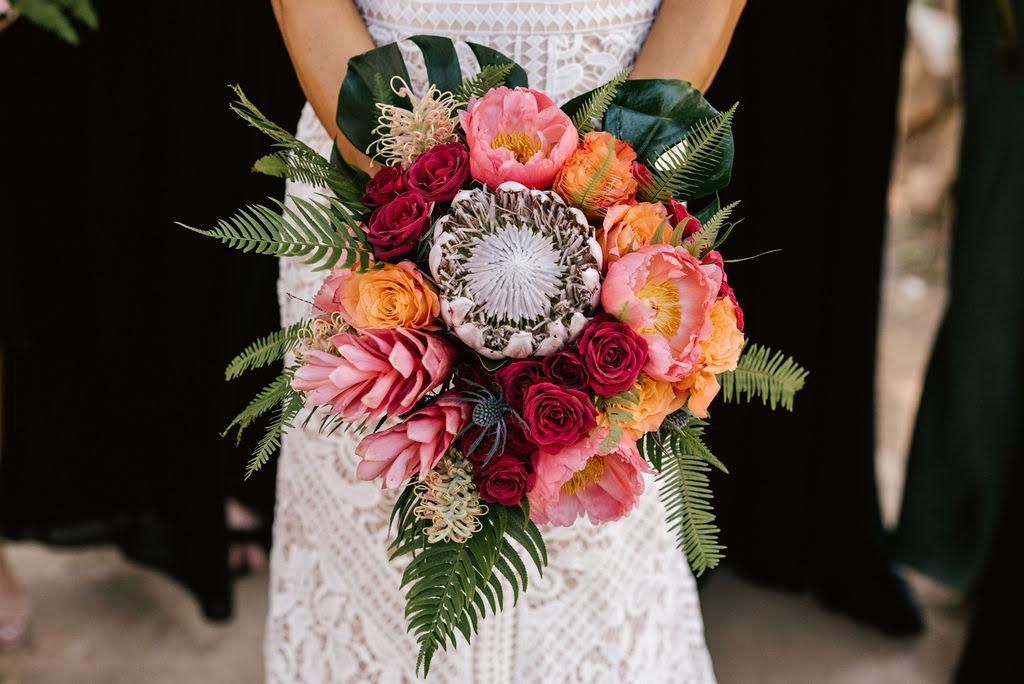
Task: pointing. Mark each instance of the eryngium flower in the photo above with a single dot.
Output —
(518, 271)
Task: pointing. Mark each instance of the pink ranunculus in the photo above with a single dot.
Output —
(376, 371)
(395, 227)
(664, 294)
(414, 445)
(384, 186)
(439, 173)
(726, 290)
(517, 135)
(578, 481)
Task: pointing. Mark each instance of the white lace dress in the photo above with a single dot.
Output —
(618, 603)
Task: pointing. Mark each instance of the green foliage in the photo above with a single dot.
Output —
(289, 408)
(774, 378)
(450, 585)
(490, 76)
(616, 411)
(597, 103)
(266, 350)
(681, 170)
(56, 16)
(706, 238)
(324, 233)
(265, 400)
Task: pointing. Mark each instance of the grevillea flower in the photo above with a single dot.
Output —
(518, 271)
(393, 296)
(577, 481)
(628, 227)
(413, 446)
(598, 175)
(375, 372)
(450, 501)
(404, 134)
(664, 294)
(516, 134)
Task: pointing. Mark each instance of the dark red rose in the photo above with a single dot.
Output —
(678, 214)
(726, 289)
(642, 175)
(612, 353)
(384, 186)
(439, 173)
(566, 368)
(557, 416)
(504, 480)
(517, 377)
(394, 228)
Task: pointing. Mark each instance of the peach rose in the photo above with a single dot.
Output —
(598, 175)
(703, 387)
(393, 296)
(628, 227)
(723, 347)
(657, 400)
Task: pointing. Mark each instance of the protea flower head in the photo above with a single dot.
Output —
(517, 270)
(407, 133)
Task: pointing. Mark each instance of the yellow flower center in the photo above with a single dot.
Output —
(522, 145)
(663, 297)
(592, 472)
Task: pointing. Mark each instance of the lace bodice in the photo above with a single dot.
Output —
(618, 602)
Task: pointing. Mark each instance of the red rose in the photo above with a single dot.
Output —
(566, 368)
(517, 377)
(678, 214)
(642, 174)
(384, 186)
(504, 480)
(726, 289)
(557, 416)
(613, 355)
(394, 228)
(439, 173)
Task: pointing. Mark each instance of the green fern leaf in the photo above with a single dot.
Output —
(597, 104)
(490, 76)
(266, 350)
(680, 169)
(774, 378)
(290, 407)
(265, 400)
(706, 237)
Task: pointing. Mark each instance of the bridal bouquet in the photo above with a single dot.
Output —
(522, 314)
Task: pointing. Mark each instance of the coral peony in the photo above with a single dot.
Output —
(664, 294)
(414, 445)
(516, 135)
(378, 371)
(557, 416)
(578, 481)
(628, 227)
(393, 296)
(598, 175)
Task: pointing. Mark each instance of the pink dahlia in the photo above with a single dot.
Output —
(414, 445)
(578, 481)
(666, 295)
(517, 135)
(374, 372)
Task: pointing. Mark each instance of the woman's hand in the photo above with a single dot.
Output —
(688, 40)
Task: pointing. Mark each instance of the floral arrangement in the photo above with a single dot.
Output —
(523, 314)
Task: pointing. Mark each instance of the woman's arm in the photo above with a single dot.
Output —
(688, 40)
(321, 36)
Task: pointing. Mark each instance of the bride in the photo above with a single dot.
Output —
(618, 602)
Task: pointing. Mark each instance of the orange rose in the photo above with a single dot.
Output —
(722, 349)
(703, 386)
(657, 400)
(394, 296)
(598, 175)
(630, 226)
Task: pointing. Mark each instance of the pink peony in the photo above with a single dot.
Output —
(375, 372)
(577, 481)
(414, 445)
(517, 135)
(664, 294)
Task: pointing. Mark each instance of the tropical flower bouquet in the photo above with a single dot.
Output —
(523, 313)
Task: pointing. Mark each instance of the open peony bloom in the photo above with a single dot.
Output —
(577, 481)
(516, 134)
(664, 294)
(375, 372)
(414, 445)
(393, 296)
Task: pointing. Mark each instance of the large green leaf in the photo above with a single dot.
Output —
(442, 61)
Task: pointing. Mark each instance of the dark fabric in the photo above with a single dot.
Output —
(817, 85)
(969, 430)
(115, 324)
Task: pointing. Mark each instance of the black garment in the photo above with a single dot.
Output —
(115, 324)
(969, 431)
(817, 85)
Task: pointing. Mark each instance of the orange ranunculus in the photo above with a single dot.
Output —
(657, 400)
(592, 181)
(393, 296)
(722, 349)
(630, 226)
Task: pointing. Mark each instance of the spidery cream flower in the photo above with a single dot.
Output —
(405, 134)
(450, 501)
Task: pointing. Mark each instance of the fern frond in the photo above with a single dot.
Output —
(490, 76)
(681, 168)
(706, 237)
(325, 234)
(266, 350)
(271, 441)
(265, 400)
(597, 104)
(772, 377)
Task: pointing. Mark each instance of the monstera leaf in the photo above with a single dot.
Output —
(657, 114)
(368, 81)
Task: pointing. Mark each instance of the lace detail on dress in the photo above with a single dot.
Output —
(618, 602)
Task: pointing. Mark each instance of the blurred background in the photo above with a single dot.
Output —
(100, 617)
